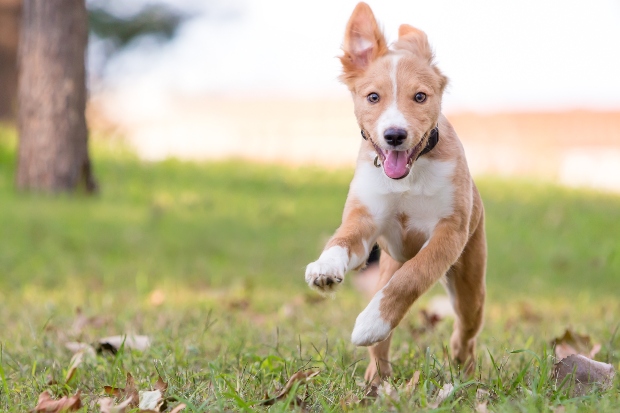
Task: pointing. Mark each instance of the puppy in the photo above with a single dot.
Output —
(412, 193)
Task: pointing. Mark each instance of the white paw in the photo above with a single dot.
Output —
(370, 328)
(327, 273)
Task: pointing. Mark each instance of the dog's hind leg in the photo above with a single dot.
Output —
(465, 283)
(379, 366)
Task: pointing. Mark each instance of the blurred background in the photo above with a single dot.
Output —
(534, 86)
(180, 92)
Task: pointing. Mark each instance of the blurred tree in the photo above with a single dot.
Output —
(53, 149)
(9, 35)
(53, 137)
(154, 19)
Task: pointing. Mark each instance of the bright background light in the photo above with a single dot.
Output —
(507, 55)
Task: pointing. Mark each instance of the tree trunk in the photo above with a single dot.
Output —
(9, 35)
(53, 138)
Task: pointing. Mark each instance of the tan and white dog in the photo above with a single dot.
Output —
(412, 193)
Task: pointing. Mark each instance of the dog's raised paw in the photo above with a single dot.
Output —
(327, 273)
(323, 277)
(370, 328)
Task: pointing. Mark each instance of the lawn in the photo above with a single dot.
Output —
(207, 259)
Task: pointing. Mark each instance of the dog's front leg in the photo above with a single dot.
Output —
(390, 304)
(346, 250)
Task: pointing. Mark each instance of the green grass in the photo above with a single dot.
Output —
(227, 243)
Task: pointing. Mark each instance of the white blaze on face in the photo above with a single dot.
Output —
(392, 117)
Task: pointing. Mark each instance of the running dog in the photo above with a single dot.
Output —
(412, 193)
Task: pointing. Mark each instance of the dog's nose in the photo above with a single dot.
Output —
(395, 136)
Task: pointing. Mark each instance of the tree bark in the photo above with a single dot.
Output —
(53, 137)
(9, 35)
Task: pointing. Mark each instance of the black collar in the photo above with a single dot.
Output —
(433, 138)
(431, 142)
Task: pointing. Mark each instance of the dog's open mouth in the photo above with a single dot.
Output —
(397, 164)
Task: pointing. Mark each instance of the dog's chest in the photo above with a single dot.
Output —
(407, 211)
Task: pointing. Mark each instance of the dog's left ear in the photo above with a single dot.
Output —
(363, 43)
(415, 41)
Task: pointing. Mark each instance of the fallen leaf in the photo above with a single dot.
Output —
(441, 306)
(442, 395)
(588, 373)
(106, 405)
(150, 400)
(65, 404)
(482, 396)
(481, 407)
(76, 360)
(76, 347)
(300, 376)
(132, 342)
(129, 392)
(430, 320)
(178, 408)
(161, 385)
(573, 343)
(413, 382)
(387, 391)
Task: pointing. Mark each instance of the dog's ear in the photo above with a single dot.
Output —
(415, 41)
(363, 43)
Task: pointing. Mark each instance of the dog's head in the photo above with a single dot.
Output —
(396, 91)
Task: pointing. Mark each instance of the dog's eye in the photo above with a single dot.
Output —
(373, 98)
(420, 97)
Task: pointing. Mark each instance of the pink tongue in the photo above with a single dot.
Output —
(395, 164)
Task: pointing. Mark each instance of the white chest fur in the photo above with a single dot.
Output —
(425, 196)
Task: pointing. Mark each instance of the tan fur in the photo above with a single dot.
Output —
(456, 245)
(357, 225)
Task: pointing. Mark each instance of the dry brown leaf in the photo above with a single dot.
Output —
(106, 405)
(413, 382)
(429, 320)
(442, 395)
(300, 376)
(132, 342)
(178, 408)
(129, 392)
(588, 373)
(76, 360)
(161, 385)
(573, 343)
(65, 404)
